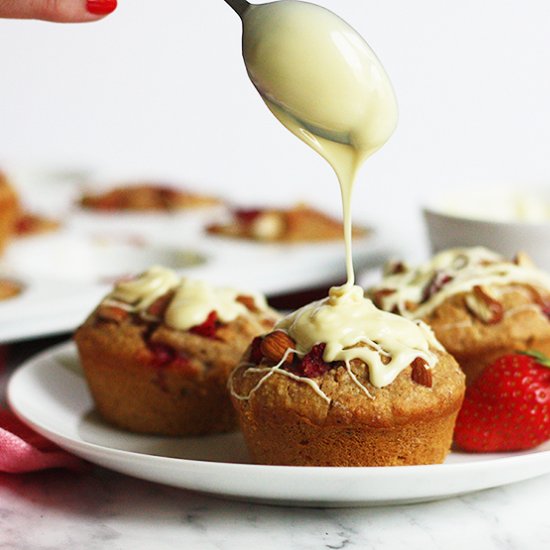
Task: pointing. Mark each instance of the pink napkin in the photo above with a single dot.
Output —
(23, 450)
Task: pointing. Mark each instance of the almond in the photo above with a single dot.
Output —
(379, 295)
(112, 313)
(160, 305)
(248, 302)
(484, 306)
(421, 374)
(274, 346)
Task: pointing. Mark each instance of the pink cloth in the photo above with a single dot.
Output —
(23, 450)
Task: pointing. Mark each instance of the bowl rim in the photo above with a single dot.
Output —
(513, 224)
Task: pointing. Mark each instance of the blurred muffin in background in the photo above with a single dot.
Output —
(301, 223)
(29, 224)
(9, 210)
(145, 197)
(9, 289)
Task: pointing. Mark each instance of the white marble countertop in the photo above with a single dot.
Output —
(104, 510)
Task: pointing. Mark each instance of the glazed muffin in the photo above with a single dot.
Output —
(341, 383)
(158, 351)
(299, 224)
(9, 210)
(143, 197)
(479, 305)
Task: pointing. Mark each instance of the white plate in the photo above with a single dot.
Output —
(64, 273)
(50, 394)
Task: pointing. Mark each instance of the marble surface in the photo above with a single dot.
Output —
(100, 509)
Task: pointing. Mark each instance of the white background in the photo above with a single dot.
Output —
(159, 89)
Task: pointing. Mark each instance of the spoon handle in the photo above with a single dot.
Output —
(240, 6)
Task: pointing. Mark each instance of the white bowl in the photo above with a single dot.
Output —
(507, 228)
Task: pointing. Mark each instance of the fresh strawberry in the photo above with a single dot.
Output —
(508, 407)
(313, 364)
(208, 328)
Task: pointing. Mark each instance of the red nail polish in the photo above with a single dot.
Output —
(101, 7)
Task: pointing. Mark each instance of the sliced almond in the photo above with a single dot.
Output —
(484, 306)
(275, 345)
(421, 374)
(248, 302)
(112, 313)
(379, 295)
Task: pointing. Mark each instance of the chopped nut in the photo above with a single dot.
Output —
(160, 305)
(274, 346)
(248, 302)
(421, 374)
(112, 313)
(379, 295)
(484, 306)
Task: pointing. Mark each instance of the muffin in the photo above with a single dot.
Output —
(158, 350)
(9, 210)
(341, 383)
(299, 224)
(479, 305)
(30, 224)
(9, 288)
(143, 197)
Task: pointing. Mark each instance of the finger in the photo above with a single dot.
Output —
(62, 11)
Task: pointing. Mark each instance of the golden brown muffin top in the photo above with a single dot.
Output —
(478, 274)
(146, 196)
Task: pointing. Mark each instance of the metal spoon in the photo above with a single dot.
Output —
(240, 6)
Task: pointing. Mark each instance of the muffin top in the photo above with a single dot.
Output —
(357, 359)
(159, 294)
(168, 322)
(479, 277)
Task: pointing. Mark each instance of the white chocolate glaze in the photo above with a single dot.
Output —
(323, 82)
(346, 318)
(142, 291)
(459, 270)
(192, 302)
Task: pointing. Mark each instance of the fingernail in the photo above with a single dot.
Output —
(101, 7)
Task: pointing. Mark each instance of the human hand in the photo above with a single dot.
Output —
(62, 11)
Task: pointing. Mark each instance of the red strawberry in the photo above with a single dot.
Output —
(208, 328)
(313, 364)
(508, 407)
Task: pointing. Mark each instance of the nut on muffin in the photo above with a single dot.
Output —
(158, 350)
(341, 383)
(479, 305)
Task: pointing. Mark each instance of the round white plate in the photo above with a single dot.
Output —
(50, 394)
